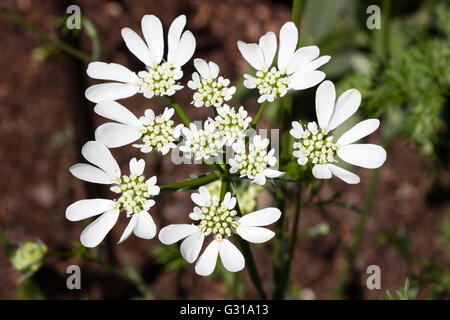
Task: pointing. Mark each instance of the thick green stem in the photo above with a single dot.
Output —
(259, 114)
(189, 184)
(179, 110)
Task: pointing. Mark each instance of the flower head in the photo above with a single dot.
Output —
(316, 144)
(155, 132)
(211, 90)
(160, 77)
(202, 143)
(219, 219)
(28, 257)
(134, 196)
(231, 124)
(256, 163)
(295, 70)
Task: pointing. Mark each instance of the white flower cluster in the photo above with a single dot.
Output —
(231, 124)
(202, 143)
(159, 80)
(270, 83)
(211, 90)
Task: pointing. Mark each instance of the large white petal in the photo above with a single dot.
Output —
(175, 232)
(321, 172)
(111, 71)
(213, 69)
(174, 35)
(255, 234)
(288, 44)
(343, 174)
(268, 45)
(129, 229)
(301, 57)
(87, 208)
(117, 112)
(185, 49)
(202, 67)
(346, 106)
(252, 53)
(87, 172)
(259, 218)
(232, 259)
(313, 65)
(115, 135)
(207, 262)
(94, 233)
(137, 46)
(145, 227)
(359, 131)
(304, 80)
(325, 97)
(271, 173)
(110, 91)
(368, 156)
(97, 153)
(153, 34)
(191, 246)
(137, 167)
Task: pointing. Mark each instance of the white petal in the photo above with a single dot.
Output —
(97, 153)
(213, 69)
(115, 135)
(313, 65)
(304, 80)
(359, 131)
(346, 106)
(343, 174)
(145, 227)
(90, 173)
(325, 97)
(207, 262)
(268, 45)
(117, 112)
(288, 44)
(111, 71)
(301, 57)
(232, 259)
(175, 232)
(129, 229)
(87, 208)
(137, 46)
(255, 234)
(202, 67)
(260, 179)
(252, 53)
(321, 172)
(185, 49)
(137, 167)
(94, 233)
(191, 246)
(110, 91)
(204, 193)
(368, 156)
(270, 173)
(153, 34)
(259, 218)
(174, 35)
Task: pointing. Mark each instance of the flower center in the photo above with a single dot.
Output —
(158, 133)
(211, 91)
(272, 82)
(134, 192)
(157, 80)
(217, 219)
(316, 145)
(230, 124)
(253, 162)
(204, 144)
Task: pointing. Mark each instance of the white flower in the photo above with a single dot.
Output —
(316, 144)
(156, 132)
(296, 68)
(201, 143)
(210, 90)
(218, 219)
(256, 163)
(231, 124)
(160, 77)
(134, 190)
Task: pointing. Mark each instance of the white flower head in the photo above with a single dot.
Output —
(155, 132)
(219, 219)
(134, 190)
(257, 163)
(230, 124)
(160, 77)
(295, 70)
(315, 143)
(210, 89)
(202, 143)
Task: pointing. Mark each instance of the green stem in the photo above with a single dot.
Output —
(42, 35)
(189, 184)
(296, 12)
(258, 115)
(179, 110)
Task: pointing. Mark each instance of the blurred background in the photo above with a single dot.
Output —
(398, 217)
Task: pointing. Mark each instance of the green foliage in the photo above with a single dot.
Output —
(169, 256)
(445, 231)
(403, 293)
